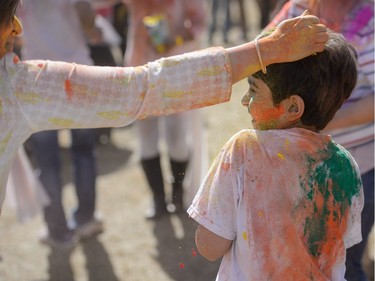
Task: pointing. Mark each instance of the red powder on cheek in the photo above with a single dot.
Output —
(268, 114)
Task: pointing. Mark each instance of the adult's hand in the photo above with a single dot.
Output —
(294, 39)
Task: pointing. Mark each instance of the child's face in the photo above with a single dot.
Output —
(258, 100)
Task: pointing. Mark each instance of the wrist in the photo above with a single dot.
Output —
(268, 49)
(259, 54)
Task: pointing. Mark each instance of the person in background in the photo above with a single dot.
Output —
(163, 28)
(42, 95)
(353, 124)
(62, 30)
(268, 8)
(282, 201)
(217, 8)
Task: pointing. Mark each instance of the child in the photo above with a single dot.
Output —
(282, 201)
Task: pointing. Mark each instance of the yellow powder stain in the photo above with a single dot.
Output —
(138, 69)
(66, 123)
(287, 143)
(4, 142)
(31, 98)
(211, 71)
(110, 115)
(169, 63)
(176, 94)
(124, 81)
(244, 235)
(280, 156)
(260, 214)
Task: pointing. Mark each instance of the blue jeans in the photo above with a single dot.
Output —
(47, 152)
(354, 270)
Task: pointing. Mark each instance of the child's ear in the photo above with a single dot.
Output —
(295, 107)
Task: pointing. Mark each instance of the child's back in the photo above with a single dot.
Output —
(295, 194)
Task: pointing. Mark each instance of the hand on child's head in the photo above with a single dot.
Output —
(300, 37)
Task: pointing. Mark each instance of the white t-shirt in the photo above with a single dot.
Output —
(289, 199)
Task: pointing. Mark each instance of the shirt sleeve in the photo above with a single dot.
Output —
(353, 235)
(57, 95)
(215, 205)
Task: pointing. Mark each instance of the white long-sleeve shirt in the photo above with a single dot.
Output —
(45, 95)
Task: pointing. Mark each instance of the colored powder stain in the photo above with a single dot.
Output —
(16, 59)
(280, 156)
(267, 118)
(176, 94)
(225, 166)
(287, 143)
(110, 115)
(68, 89)
(244, 235)
(193, 252)
(212, 71)
(40, 65)
(4, 142)
(260, 214)
(182, 266)
(332, 183)
(170, 62)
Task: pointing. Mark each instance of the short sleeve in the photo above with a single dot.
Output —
(215, 205)
(353, 234)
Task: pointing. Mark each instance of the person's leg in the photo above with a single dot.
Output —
(213, 23)
(148, 133)
(265, 10)
(177, 141)
(354, 270)
(228, 21)
(243, 21)
(84, 165)
(47, 152)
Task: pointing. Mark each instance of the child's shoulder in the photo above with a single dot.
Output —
(257, 137)
(264, 134)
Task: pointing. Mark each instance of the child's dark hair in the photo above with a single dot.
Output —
(324, 81)
(8, 9)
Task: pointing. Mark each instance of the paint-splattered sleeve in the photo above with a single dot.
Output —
(353, 234)
(215, 204)
(55, 95)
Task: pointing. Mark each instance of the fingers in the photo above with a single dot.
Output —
(319, 47)
(321, 35)
(321, 28)
(306, 20)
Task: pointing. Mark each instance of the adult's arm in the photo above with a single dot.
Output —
(55, 95)
(356, 113)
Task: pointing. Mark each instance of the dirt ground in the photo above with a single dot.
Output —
(131, 248)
